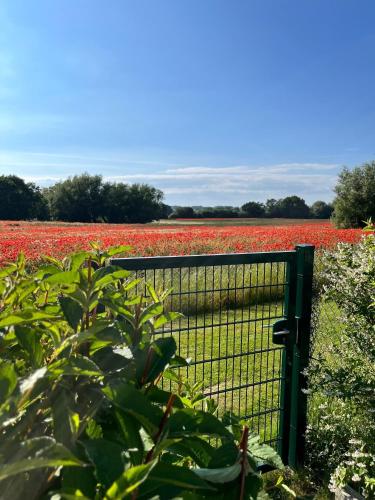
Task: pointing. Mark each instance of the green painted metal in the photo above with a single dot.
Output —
(235, 307)
(170, 262)
(287, 363)
(301, 354)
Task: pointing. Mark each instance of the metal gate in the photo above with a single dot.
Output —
(246, 328)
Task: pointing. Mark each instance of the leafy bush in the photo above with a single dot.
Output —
(343, 379)
(82, 413)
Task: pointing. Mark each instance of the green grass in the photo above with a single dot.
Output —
(227, 332)
(236, 361)
(197, 290)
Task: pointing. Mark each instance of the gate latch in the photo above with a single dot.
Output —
(280, 332)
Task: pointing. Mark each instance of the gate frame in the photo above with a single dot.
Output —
(297, 316)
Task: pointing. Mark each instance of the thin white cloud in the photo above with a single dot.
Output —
(182, 184)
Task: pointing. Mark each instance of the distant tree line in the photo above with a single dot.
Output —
(87, 198)
(292, 207)
(82, 198)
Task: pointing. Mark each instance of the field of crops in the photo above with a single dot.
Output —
(57, 239)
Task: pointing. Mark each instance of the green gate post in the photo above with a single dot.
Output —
(287, 359)
(301, 354)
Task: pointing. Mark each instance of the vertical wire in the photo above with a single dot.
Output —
(188, 316)
(212, 323)
(219, 340)
(226, 340)
(249, 326)
(204, 326)
(196, 324)
(180, 309)
(268, 350)
(261, 381)
(241, 338)
(234, 335)
(255, 342)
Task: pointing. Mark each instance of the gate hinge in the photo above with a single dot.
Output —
(281, 332)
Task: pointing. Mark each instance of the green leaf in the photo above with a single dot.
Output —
(129, 481)
(171, 375)
(93, 429)
(109, 274)
(73, 312)
(7, 271)
(130, 434)
(150, 312)
(224, 455)
(117, 250)
(161, 396)
(102, 330)
(24, 317)
(131, 284)
(63, 278)
(64, 429)
(151, 362)
(151, 291)
(54, 261)
(109, 361)
(189, 422)
(77, 259)
(180, 361)
(198, 449)
(107, 457)
(173, 475)
(29, 383)
(264, 453)
(78, 483)
(133, 402)
(36, 453)
(46, 271)
(222, 475)
(167, 317)
(109, 270)
(8, 380)
(77, 365)
(29, 341)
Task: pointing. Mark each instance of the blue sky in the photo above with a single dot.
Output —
(213, 101)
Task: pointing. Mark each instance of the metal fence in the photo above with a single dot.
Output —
(230, 305)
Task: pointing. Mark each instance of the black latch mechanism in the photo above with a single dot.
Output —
(280, 332)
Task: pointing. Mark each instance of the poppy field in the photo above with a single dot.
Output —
(37, 239)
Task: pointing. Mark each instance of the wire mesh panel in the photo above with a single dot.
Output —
(230, 303)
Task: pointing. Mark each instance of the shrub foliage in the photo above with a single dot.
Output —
(82, 410)
(343, 380)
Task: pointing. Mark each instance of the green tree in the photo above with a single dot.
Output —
(218, 212)
(21, 200)
(132, 203)
(253, 209)
(145, 203)
(116, 202)
(294, 207)
(272, 208)
(77, 199)
(355, 196)
(321, 210)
